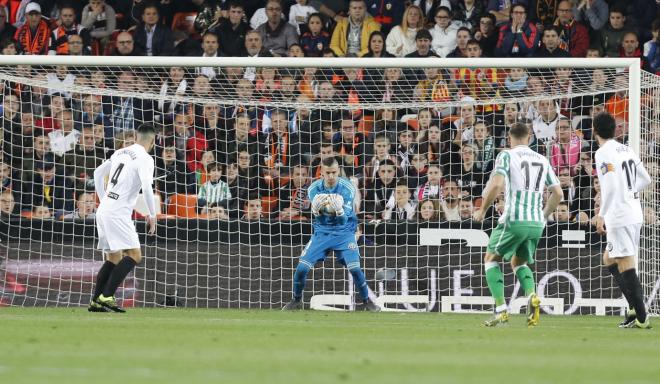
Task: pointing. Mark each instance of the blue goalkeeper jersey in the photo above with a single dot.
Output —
(346, 223)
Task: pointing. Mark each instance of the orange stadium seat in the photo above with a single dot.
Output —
(182, 205)
(284, 180)
(366, 125)
(450, 119)
(268, 203)
(184, 21)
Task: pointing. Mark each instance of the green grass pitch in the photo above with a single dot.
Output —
(70, 345)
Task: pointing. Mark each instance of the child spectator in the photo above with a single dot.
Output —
(379, 192)
(214, 191)
(485, 147)
(85, 208)
(41, 212)
(202, 173)
(466, 208)
(406, 148)
(565, 150)
(293, 201)
(382, 149)
(470, 179)
(443, 32)
(432, 188)
(416, 172)
(399, 206)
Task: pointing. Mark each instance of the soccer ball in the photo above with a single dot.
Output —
(328, 210)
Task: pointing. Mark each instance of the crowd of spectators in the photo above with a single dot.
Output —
(255, 161)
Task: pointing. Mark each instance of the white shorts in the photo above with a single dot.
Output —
(623, 241)
(116, 233)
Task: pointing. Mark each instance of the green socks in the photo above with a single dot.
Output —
(495, 280)
(526, 278)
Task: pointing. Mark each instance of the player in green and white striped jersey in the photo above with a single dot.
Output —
(522, 174)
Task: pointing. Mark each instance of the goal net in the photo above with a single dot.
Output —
(239, 140)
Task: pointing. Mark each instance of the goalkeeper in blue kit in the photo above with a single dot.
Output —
(334, 230)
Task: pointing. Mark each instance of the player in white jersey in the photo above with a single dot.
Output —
(128, 171)
(622, 175)
(522, 175)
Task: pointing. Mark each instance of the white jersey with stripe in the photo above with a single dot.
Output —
(527, 174)
(622, 175)
(130, 168)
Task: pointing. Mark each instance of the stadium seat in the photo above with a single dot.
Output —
(268, 203)
(182, 205)
(141, 205)
(449, 119)
(184, 21)
(413, 124)
(575, 121)
(407, 120)
(366, 125)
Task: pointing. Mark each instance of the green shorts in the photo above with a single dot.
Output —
(508, 240)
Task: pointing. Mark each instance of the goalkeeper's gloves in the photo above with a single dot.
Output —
(337, 204)
(318, 203)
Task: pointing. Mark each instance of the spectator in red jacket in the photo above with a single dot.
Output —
(34, 35)
(519, 37)
(574, 36)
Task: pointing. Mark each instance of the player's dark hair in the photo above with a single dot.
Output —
(604, 125)
(330, 162)
(519, 130)
(146, 130)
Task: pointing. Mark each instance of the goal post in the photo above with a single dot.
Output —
(267, 122)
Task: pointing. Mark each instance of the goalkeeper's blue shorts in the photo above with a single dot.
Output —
(343, 243)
